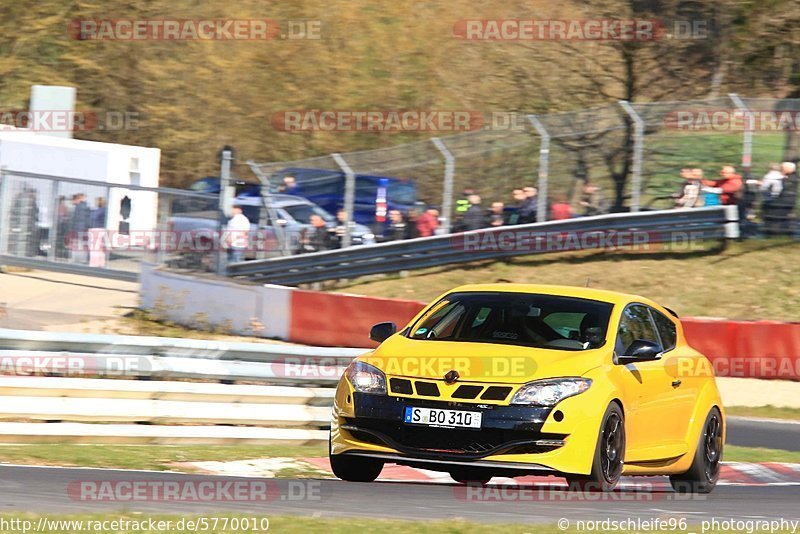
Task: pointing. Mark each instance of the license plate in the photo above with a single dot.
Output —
(446, 418)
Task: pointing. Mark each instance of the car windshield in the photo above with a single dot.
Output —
(302, 212)
(531, 320)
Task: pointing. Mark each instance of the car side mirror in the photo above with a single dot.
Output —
(641, 351)
(382, 331)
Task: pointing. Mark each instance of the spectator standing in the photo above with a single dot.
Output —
(97, 252)
(530, 205)
(593, 201)
(788, 198)
(772, 183)
(712, 193)
(62, 228)
(428, 222)
(561, 209)
(238, 230)
(79, 228)
(289, 186)
(98, 217)
(519, 203)
(396, 230)
(731, 185)
(497, 214)
(341, 226)
(411, 223)
(689, 195)
(319, 237)
(474, 218)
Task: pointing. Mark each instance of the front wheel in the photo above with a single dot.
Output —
(355, 468)
(609, 455)
(703, 475)
(470, 477)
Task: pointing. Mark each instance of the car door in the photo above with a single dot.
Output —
(650, 392)
(685, 386)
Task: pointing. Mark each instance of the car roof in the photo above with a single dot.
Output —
(278, 200)
(590, 293)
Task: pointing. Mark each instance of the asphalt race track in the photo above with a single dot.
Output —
(764, 433)
(53, 491)
(45, 490)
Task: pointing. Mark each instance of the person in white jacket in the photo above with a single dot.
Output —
(772, 183)
(238, 230)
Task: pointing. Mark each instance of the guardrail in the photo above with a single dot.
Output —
(136, 389)
(493, 243)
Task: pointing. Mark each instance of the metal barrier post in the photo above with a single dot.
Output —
(544, 167)
(638, 149)
(271, 214)
(4, 228)
(349, 196)
(226, 194)
(447, 189)
(747, 136)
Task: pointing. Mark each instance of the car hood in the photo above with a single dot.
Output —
(483, 362)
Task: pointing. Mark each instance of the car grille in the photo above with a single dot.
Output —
(403, 386)
(455, 441)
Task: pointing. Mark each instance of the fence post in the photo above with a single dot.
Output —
(225, 196)
(349, 197)
(747, 136)
(544, 167)
(4, 191)
(269, 215)
(638, 149)
(447, 189)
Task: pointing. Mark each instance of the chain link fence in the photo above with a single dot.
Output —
(611, 158)
(90, 227)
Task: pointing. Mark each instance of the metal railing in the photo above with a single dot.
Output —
(645, 228)
(96, 388)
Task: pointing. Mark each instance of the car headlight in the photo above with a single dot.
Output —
(550, 392)
(366, 378)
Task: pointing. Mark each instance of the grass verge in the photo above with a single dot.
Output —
(767, 412)
(289, 524)
(755, 279)
(151, 457)
(735, 453)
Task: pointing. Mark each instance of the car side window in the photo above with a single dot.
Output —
(634, 325)
(666, 329)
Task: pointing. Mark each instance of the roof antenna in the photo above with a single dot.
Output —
(588, 281)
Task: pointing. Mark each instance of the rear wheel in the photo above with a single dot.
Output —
(703, 475)
(609, 455)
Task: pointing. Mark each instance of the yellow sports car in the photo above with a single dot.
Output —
(512, 379)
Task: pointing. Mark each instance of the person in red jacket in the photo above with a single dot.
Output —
(561, 209)
(731, 185)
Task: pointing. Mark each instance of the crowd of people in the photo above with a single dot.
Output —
(770, 200)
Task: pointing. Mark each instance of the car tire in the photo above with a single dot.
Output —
(703, 475)
(609, 455)
(470, 477)
(354, 468)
